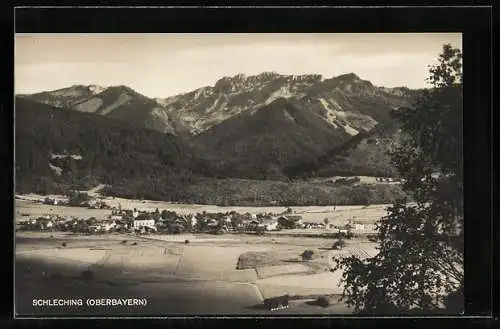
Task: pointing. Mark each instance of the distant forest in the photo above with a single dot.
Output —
(113, 152)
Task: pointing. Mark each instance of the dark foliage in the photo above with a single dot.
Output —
(112, 152)
(322, 301)
(354, 156)
(231, 192)
(419, 268)
(307, 254)
(339, 244)
(76, 198)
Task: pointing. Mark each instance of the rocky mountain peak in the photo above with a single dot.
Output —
(345, 102)
(337, 99)
(268, 74)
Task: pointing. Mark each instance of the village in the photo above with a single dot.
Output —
(170, 222)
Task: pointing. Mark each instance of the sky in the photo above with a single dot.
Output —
(162, 65)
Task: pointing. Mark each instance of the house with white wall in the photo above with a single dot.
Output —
(138, 223)
(270, 224)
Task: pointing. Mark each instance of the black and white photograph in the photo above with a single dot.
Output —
(253, 174)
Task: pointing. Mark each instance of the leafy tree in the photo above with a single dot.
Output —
(236, 220)
(76, 198)
(339, 244)
(419, 267)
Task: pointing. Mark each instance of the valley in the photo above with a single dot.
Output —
(304, 146)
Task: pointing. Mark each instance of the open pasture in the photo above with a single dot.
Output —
(177, 278)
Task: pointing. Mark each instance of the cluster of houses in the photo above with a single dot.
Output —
(163, 222)
(169, 222)
(50, 201)
(76, 225)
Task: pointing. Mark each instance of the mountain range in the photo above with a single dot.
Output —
(117, 102)
(265, 126)
(346, 101)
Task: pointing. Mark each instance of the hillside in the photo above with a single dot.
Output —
(57, 148)
(259, 144)
(271, 125)
(364, 154)
(265, 126)
(117, 102)
(65, 97)
(345, 101)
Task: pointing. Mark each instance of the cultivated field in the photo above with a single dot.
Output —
(26, 209)
(178, 278)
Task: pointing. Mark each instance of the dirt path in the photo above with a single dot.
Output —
(94, 192)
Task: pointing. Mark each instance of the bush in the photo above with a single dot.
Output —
(260, 230)
(341, 235)
(186, 241)
(124, 241)
(76, 198)
(64, 244)
(307, 254)
(134, 244)
(339, 244)
(323, 301)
